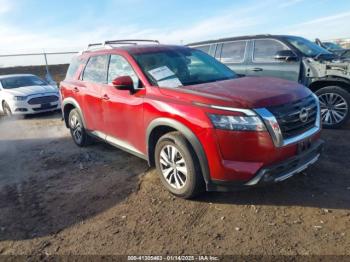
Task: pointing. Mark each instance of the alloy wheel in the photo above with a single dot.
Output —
(173, 166)
(334, 108)
(76, 127)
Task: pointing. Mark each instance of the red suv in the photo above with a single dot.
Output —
(198, 122)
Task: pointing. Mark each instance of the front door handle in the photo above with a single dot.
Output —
(75, 89)
(257, 69)
(105, 97)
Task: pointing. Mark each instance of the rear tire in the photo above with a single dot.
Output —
(77, 129)
(178, 166)
(335, 103)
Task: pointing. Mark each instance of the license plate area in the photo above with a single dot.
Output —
(304, 146)
(45, 106)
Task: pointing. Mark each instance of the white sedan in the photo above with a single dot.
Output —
(27, 94)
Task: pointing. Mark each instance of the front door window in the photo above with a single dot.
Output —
(266, 49)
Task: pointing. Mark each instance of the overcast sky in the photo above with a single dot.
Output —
(34, 25)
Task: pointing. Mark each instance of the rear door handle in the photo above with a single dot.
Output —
(75, 89)
(105, 97)
(256, 69)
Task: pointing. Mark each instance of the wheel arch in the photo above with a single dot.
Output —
(2, 105)
(68, 104)
(330, 81)
(161, 126)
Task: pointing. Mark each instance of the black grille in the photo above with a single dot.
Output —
(44, 108)
(288, 116)
(42, 100)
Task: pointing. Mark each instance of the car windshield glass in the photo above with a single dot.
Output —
(332, 46)
(307, 47)
(21, 81)
(181, 67)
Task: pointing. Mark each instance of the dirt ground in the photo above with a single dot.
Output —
(56, 198)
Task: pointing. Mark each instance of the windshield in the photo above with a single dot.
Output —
(21, 81)
(307, 47)
(332, 46)
(181, 67)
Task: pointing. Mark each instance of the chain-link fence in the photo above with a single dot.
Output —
(51, 66)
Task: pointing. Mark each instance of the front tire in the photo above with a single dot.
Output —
(77, 129)
(6, 109)
(334, 102)
(178, 166)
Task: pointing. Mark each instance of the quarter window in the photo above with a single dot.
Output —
(119, 66)
(233, 52)
(73, 67)
(266, 49)
(96, 69)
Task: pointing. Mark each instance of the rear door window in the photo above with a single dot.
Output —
(266, 49)
(96, 69)
(233, 52)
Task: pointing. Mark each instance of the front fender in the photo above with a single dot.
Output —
(189, 135)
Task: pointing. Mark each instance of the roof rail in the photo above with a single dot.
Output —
(110, 43)
(95, 44)
(129, 41)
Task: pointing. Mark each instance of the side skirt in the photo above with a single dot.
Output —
(119, 144)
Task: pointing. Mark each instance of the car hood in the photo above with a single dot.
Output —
(31, 90)
(345, 53)
(253, 92)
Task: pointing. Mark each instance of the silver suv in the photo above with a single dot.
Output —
(293, 58)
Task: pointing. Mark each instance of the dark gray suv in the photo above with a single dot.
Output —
(293, 58)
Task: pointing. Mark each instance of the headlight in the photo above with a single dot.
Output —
(19, 98)
(237, 123)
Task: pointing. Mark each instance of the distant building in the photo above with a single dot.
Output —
(344, 42)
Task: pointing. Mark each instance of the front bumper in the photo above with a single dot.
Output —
(23, 108)
(274, 173)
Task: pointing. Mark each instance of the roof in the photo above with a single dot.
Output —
(236, 38)
(14, 75)
(134, 49)
(137, 49)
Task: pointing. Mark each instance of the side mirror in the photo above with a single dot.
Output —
(286, 55)
(123, 83)
(240, 75)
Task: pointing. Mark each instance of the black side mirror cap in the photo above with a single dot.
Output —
(286, 55)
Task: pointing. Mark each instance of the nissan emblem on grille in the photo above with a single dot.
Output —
(296, 117)
(304, 115)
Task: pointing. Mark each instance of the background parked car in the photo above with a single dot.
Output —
(293, 58)
(27, 94)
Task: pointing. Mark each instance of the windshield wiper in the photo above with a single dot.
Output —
(223, 79)
(328, 56)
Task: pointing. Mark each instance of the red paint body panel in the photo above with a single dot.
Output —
(232, 156)
(123, 115)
